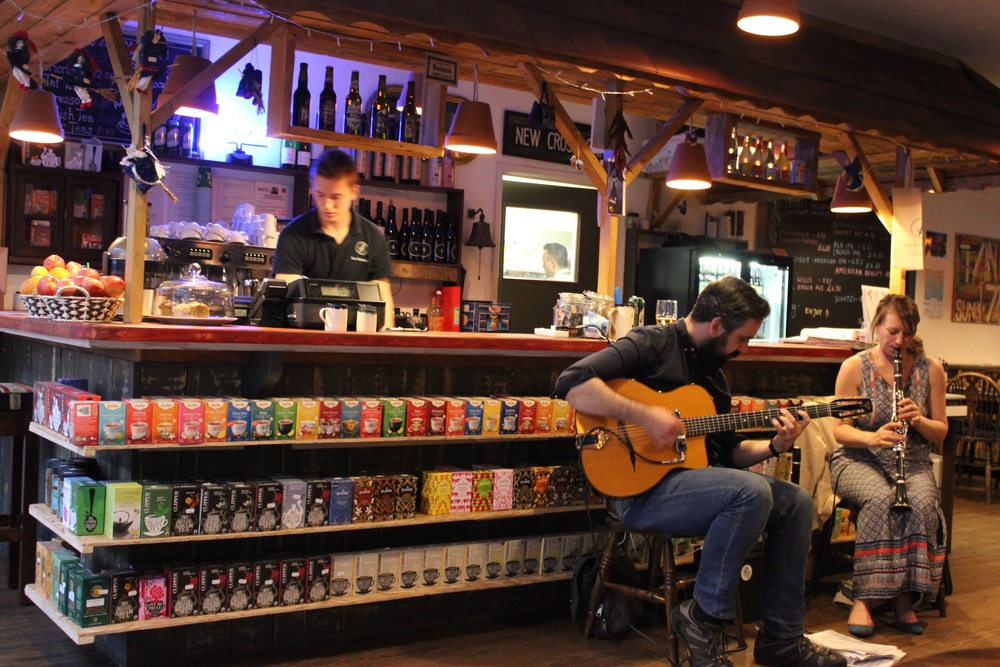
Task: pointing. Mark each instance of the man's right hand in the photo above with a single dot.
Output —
(662, 426)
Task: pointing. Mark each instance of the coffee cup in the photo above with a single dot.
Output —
(431, 575)
(371, 425)
(139, 430)
(549, 564)
(350, 426)
(214, 428)
(493, 569)
(339, 585)
(285, 426)
(395, 424)
(386, 580)
(472, 572)
(262, 427)
(408, 578)
(513, 567)
(364, 583)
(238, 427)
(437, 424)
(191, 429)
(474, 423)
(454, 424)
(334, 318)
(490, 424)
(112, 430)
(452, 574)
(307, 427)
(509, 424)
(530, 565)
(155, 525)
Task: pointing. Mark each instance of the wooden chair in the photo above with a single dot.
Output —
(663, 583)
(977, 439)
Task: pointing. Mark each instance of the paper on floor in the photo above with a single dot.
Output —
(857, 652)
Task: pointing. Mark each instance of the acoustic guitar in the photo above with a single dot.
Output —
(621, 460)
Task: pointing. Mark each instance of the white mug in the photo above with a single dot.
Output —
(620, 321)
(334, 318)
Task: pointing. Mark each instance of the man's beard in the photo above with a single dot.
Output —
(713, 352)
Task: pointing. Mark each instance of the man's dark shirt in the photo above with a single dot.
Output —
(303, 249)
(662, 358)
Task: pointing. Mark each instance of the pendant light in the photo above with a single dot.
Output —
(182, 72)
(850, 195)
(769, 18)
(472, 128)
(480, 237)
(37, 118)
(689, 166)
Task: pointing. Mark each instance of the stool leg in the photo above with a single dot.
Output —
(741, 638)
(670, 599)
(18, 509)
(603, 571)
(29, 494)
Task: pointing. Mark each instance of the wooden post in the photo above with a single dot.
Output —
(11, 97)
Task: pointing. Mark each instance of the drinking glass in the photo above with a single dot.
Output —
(666, 311)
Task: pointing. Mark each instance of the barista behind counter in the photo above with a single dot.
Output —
(331, 241)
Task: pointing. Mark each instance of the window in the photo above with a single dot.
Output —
(540, 244)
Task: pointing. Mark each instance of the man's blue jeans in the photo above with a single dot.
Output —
(732, 508)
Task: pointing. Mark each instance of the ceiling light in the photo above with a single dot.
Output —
(37, 118)
(689, 167)
(472, 128)
(770, 18)
(849, 201)
(186, 68)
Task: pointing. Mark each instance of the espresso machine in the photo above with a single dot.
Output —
(241, 267)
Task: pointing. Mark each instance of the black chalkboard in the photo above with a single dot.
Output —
(105, 120)
(835, 254)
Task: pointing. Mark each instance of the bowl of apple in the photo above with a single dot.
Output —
(70, 291)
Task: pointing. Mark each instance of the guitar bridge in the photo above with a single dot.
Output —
(681, 444)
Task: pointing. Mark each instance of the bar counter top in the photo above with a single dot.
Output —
(156, 336)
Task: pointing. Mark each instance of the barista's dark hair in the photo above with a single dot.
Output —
(732, 299)
(557, 252)
(336, 165)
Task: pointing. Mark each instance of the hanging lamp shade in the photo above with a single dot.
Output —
(184, 70)
(37, 118)
(472, 129)
(849, 201)
(769, 18)
(689, 167)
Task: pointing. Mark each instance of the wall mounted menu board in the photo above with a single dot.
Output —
(835, 254)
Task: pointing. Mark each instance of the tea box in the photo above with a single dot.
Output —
(63, 585)
(491, 416)
(416, 417)
(157, 501)
(371, 418)
(341, 500)
(482, 490)
(240, 585)
(350, 418)
(394, 416)
(341, 574)
(267, 505)
(435, 492)
(306, 418)
(329, 418)
(267, 582)
(183, 587)
(551, 553)
(532, 555)
(503, 489)
(81, 425)
(474, 416)
(164, 420)
(216, 419)
(293, 502)
(85, 515)
(455, 416)
(454, 563)
(111, 423)
(494, 559)
(212, 588)
(365, 572)
(293, 581)
(560, 485)
(433, 565)
(214, 509)
(437, 415)
(543, 415)
(527, 413)
(541, 486)
(88, 598)
(152, 596)
(242, 506)
(562, 417)
(406, 496)
(190, 421)
(317, 502)
(124, 598)
(510, 410)
(138, 417)
(262, 419)
(185, 507)
(239, 420)
(318, 578)
(513, 557)
(475, 561)
(383, 498)
(461, 491)
(388, 570)
(122, 510)
(570, 553)
(411, 565)
(362, 508)
(524, 482)
(59, 560)
(284, 418)
(43, 564)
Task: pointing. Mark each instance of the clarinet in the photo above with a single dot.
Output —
(900, 447)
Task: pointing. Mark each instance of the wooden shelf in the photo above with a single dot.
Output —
(337, 443)
(341, 140)
(87, 635)
(768, 186)
(425, 271)
(87, 544)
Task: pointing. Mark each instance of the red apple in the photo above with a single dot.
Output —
(87, 271)
(53, 261)
(93, 285)
(47, 285)
(64, 285)
(73, 267)
(114, 286)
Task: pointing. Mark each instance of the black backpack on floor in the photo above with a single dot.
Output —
(616, 613)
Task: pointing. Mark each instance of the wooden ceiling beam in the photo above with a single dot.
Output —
(669, 128)
(883, 206)
(937, 179)
(118, 54)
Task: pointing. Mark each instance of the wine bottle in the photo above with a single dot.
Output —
(440, 239)
(392, 233)
(745, 169)
(783, 162)
(733, 159)
(416, 236)
(390, 170)
(328, 104)
(377, 159)
(770, 162)
(303, 156)
(378, 112)
(409, 121)
(301, 98)
(416, 170)
(289, 149)
(404, 236)
(452, 235)
(427, 249)
(352, 108)
(757, 158)
(379, 220)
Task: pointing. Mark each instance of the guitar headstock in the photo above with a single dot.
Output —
(850, 406)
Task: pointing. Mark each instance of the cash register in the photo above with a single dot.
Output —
(306, 296)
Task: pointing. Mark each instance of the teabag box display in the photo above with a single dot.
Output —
(388, 570)
(433, 565)
(329, 418)
(318, 577)
(341, 500)
(284, 418)
(293, 502)
(495, 556)
(365, 572)
(383, 498)
(152, 596)
(513, 557)
(350, 418)
(262, 419)
(267, 582)
(411, 565)
(240, 583)
(551, 553)
(238, 419)
(216, 419)
(475, 561)
(124, 584)
(317, 502)
(454, 563)
(164, 420)
(185, 507)
(293, 581)
(342, 574)
(307, 418)
(138, 417)
(122, 510)
(156, 509)
(190, 421)
(111, 423)
(532, 555)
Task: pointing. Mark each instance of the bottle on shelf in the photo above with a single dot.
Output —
(435, 316)
(783, 163)
(328, 104)
(428, 232)
(352, 108)
(377, 161)
(392, 232)
(390, 168)
(378, 112)
(745, 167)
(173, 136)
(757, 158)
(440, 239)
(301, 98)
(289, 148)
(379, 219)
(733, 158)
(770, 163)
(416, 236)
(452, 235)
(404, 236)
(409, 120)
(416, 169)
(303, 155)
(160, 140)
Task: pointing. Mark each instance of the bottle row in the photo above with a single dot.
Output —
(175, 138)
(424, 235)
(86, 420)
(381, 120)
(132, 510)
(180, 590)
(765, 159)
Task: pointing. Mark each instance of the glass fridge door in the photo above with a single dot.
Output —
(771, 282)
(713, 267)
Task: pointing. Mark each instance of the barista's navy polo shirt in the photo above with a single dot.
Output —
(303, 249)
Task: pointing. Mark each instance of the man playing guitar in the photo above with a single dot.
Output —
(731, 507)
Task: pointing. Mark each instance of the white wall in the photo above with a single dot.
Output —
(969, 212)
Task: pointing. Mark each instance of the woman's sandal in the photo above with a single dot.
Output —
(862, 631)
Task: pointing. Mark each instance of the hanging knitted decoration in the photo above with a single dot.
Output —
(143, 168)
(617, 131)
(151, 62)
(251, 87)
(19, 50)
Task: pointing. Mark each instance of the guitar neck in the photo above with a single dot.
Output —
(735, 421)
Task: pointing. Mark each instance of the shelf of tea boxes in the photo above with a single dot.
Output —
(87, 635)
(87, 544)
(60, 440)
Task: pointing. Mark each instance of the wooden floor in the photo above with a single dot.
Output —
(967, 636)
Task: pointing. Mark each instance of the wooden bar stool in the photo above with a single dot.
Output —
(661, 563)
(18, 527)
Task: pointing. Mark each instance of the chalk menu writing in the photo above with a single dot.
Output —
(835, 254)
(105, 120)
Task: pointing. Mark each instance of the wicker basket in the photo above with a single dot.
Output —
(36, 304)
(81, 308)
